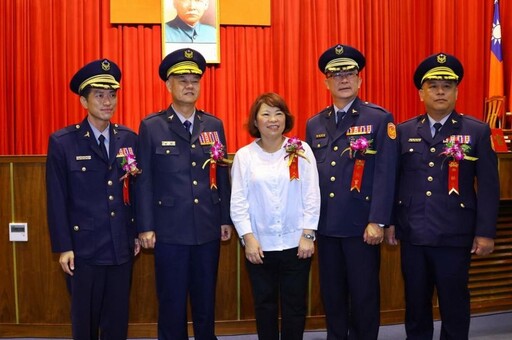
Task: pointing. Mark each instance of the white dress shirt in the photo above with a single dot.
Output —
(265, 202)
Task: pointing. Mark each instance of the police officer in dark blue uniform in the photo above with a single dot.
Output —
(440, 218)
(183, 200)
(354, 143)
(91, 222)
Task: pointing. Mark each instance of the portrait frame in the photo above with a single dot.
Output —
(176, 34)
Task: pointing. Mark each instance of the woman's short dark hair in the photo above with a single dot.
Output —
(273, 100)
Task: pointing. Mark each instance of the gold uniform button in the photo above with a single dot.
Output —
(76, 228)
(77, 126)
(333, 163)
(428, 193)
(110, 167)
(331, 195)
(111, 198)
(411, 150)
(109, 183)
(367, 198)
(133, 220)
(194, 182)
(333, 179)
(462, 205)
(196, 200)
(430, 178)
(159, 202)
(432, 150)
(84, 168)
(193, 163)
(113, 213)
(193, 146)
(431, 164)
(318, 145)
(167, 151)
(335, 148)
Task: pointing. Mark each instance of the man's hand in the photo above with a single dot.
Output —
(136, 248)
(225, 232)
(67, 262)
(147, 239)
(482, 245)
(389, 234)
(373, 234)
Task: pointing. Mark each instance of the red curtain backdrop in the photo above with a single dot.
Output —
(45, 41)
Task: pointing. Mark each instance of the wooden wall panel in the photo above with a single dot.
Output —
(505, 166)
(7, 298)
(43, 296)
(43, 300)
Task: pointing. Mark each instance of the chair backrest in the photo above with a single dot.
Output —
(494, 111)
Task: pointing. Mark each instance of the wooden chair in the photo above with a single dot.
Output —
(494, 113)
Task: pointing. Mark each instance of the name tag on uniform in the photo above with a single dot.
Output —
(168, 143)
(360, 130)
(320, 135)
(83, 158)
(209, 138)
(414, 140)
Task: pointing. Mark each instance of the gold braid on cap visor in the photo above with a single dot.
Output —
(105, 81)
(183, 68)
(341, 63)
(440, 73)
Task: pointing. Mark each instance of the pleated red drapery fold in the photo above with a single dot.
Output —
(46, 41)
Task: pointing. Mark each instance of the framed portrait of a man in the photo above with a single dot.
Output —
(191, 23)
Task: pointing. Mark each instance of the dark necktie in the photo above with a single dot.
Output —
(437, 127)
(187, 125)
(103, 149)
(340, 115)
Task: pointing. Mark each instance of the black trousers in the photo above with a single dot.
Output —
(183, 271)
(282, 278)
(100, 300)
(350, 287)
(446, 268)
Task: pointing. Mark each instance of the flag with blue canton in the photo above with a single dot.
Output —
(496, 60)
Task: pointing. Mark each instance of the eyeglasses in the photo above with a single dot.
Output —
(349, 75)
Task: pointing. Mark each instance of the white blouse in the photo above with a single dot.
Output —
(265, 202)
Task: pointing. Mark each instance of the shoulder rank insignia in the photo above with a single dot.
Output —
(414, 140)
(168, 143)
(360, 130)
(320, 135)
(209, 138)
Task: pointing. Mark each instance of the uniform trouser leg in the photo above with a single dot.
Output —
(452, 275)
(294, 278)
(92, 292)
(171, 274)
(204, 262)
(419, 288)
(115, 304)
(350, 289)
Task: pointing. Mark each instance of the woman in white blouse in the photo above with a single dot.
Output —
(275, 206)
